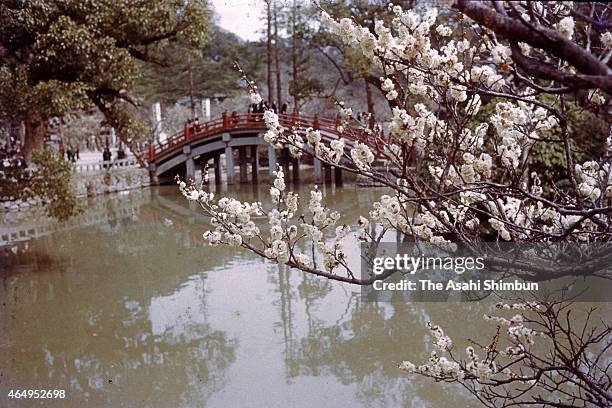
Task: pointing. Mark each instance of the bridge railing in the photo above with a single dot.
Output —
(238, 121)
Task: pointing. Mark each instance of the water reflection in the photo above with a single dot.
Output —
(134, 311)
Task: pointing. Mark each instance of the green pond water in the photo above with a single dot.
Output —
(127, 307)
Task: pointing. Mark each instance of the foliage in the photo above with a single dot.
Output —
(57, 56)
(48, 180)
(107, 178)
(82, 129)
(201, 72)
(51, 182)
(70, 54)
(304, 83)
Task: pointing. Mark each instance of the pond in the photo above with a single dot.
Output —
(126, 307)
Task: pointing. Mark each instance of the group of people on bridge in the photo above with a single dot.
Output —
(263, 106)
(254, 113)
(107, 156)
(71, 153)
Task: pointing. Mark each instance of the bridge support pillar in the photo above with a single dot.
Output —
(338, 176)
(153, 174)
(318, 170)
(254, 163)
(242, 162)
(328, 176)
(271, 160)
(217, 164)
(295, 167)
(285, 158)
(190, 171)
(229, 164)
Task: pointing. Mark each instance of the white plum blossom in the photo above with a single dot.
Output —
(453, 172)
(486, 75)
(387, 84)
(458, 92)
(255, 98)
(213, 237)
(444, 31)
(391, 95)
(500, 227)
(407, 367)
(388, 87)
(496, 365)
(451, 168)
(313, 137)
(337, 150)
(589, 173)
(442, 342)
(278, 251)
(303, 260)
(296, 144)
(234, 239)
(346, 113)
(362, 156)
(500, 54)
(606, 40)
(566, 27)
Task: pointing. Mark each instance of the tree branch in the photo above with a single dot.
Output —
(593, 72)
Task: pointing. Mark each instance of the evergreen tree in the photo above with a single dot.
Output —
(200, 73)
(59, 55)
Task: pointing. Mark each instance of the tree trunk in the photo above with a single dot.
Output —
(294, 57)
(191, 86)
(269, 52)
(279, 89)
(370, 103)
(34, 138)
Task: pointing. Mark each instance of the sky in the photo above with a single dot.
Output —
(241, 17)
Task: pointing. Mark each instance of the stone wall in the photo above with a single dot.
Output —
(90, 184)
(110, 181)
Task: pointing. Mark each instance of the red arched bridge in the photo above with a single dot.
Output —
(194, 147)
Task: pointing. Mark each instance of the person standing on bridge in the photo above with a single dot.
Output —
(234, 117)
(274, 107)
(106, 157)
(283, 109)
(121, 153)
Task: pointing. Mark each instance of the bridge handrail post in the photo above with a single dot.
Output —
(315, 122)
